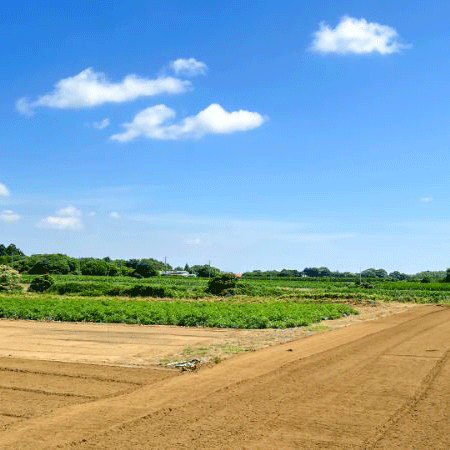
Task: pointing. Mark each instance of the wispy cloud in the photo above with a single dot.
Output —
(9, 216)
(68, 218)
(189, 67)
(425, 199)
(102, 124)
(90, 88)
(114, 215)
(193, 242)
(153, 123)
(4, 191)
(357, 36)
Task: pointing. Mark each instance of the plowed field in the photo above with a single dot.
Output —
(376, 384)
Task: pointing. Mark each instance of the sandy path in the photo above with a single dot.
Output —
(376, 384)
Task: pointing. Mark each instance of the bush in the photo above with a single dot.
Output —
(222, 284)
(52, 263)
(42, 283)
(9, 279)
(145, 270)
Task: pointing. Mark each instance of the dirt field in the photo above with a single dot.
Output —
(379, 383)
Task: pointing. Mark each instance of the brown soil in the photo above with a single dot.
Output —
(376, 384)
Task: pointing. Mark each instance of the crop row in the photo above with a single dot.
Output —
(207, 314)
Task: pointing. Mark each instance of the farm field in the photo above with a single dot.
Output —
(375, 384)
(277, 363)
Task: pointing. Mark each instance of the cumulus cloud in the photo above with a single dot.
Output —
(69, 211)
(9, 216)
(4, 191)
(189, 67)
(357, 36)
(425, 199)
(68, 218)
(153, 123)
(102, 124)
(114, 215)
(90, 88)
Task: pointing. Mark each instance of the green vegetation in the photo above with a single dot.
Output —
(224, 284)
(42, 283)
(207, 314)
(138, 291)
(9, 280)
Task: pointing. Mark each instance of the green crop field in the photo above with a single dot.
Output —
(210, 314)
(251, 303)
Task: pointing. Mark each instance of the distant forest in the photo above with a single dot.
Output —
(147, 267)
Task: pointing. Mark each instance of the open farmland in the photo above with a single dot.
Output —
(266, 374)
(377, 384)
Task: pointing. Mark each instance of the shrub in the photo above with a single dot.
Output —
(42, 283)
(52, 263)
(9, 279)
(222, 284)
(447, 276)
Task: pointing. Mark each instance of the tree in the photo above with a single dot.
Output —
(447, 276)
(398, 276)
(146, 270)
(52, 264)
(99, 267)
(205, 271)
(41, 283)
(9, 279)
(222, 284)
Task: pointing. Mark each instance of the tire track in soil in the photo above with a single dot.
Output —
(350, 388)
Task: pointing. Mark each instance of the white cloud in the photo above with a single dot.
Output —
(89, 89)
(114, 215)
(9, 216)
(68, 218)
(92, 214)
(193, 242)
(61, 223)
(189, 67)
(69, 211)
(425, 199)
(152, 123)
(4, 191)
(357, 36)
(102, 124)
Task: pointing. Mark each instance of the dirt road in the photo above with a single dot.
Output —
(372, 385)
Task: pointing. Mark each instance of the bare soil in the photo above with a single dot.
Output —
(378, 380)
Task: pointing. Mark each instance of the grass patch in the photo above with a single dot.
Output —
(273, 314)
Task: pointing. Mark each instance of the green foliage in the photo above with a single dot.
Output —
(52, 263)
(396, 275)
(94, 289)
(223, 284)
(205, 271)
(98, 267)
(9, 279)
(42, 283)
(447, 276)
(145, 270)
(158, 265)
(221, 315)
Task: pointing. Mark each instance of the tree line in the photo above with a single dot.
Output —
(61, 264)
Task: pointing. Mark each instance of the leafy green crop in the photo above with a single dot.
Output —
(206, 314)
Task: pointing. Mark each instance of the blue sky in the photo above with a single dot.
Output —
(253, 134)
